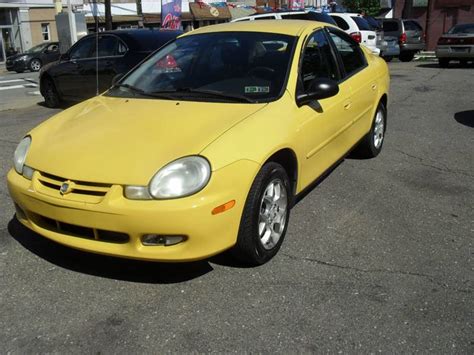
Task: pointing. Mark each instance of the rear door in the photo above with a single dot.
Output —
(362, 81)
(413, 31)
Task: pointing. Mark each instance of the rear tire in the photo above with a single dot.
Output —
(406, 56)
(50, 94)
(265, 217)
(443, 62)
(372, 143)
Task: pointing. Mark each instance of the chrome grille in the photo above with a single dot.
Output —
(82, 191)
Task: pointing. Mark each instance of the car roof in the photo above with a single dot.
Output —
(345, 13)
(286, 27)
(144, 39)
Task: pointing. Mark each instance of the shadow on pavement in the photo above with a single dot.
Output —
(465, 117)
(453, 65)
(106, 266)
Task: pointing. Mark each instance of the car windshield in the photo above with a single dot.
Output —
(223, 67)
(37, 48)
(467, 28)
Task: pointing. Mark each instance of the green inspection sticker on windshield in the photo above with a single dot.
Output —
(257, 89)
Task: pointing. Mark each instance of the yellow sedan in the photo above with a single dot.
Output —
(204, 146)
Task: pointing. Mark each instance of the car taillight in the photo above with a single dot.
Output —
(403, 38)
(356, 36)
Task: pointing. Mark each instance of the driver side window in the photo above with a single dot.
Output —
(317, 62)
(82, 49)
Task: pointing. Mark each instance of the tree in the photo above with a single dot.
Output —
(371, 7)
(108, 15)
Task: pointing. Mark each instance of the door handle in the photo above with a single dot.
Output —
(374, 86)
(347, 105)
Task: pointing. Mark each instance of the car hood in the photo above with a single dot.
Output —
(16, 56)
(126, 141)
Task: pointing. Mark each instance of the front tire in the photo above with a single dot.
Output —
(406, 56)
(35, 65)
(443, 62)
(388, 58)
(372, 143)
(50, 94)
(265, 217)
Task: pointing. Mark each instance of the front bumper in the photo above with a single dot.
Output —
(455, 52)
(206, 234)
(16, 65)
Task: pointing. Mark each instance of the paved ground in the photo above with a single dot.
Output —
(18, 90)
(378, 258)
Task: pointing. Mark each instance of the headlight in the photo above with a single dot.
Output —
(23, 57)
(20, 154)
(182, 177)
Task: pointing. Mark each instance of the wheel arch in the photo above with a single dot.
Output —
(286, 157)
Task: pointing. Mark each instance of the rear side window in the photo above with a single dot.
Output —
(341, 22)
(390, 26)
(361, 23)
(265, 18)
(412, 26)
(294, 17)
(351, 55)
(372, 22)
(107, 46)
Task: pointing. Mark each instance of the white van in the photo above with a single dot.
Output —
(291, 15)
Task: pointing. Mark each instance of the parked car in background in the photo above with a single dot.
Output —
(34, 58)
(358, 28)
(90, 65)
(205, 145)
(456, 44)
(411, 37)
(388, 45)
(291, 15)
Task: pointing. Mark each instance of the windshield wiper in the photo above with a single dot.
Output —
(233, 97)
(134, 89)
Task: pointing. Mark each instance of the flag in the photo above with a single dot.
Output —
(171, 14)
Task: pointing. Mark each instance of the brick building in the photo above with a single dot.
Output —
(435, 16)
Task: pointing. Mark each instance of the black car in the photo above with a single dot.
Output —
(89, 66)
(33, 59)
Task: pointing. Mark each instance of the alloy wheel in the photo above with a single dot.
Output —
(273, 215)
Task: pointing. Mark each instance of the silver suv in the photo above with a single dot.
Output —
(411, 37)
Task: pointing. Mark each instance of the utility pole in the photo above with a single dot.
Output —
(108, 15)
(428, 25)
(140, 13)
(72, 23)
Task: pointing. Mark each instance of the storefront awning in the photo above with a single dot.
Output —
(202, 11)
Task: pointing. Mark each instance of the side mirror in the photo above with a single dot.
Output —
(320, 89)
(65, 57)
(117, 78)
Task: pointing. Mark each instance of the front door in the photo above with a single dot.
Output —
(72, 76)
(324, 123)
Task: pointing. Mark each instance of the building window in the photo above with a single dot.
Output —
(45, 32)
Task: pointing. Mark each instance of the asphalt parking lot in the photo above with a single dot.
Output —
(378, 257)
